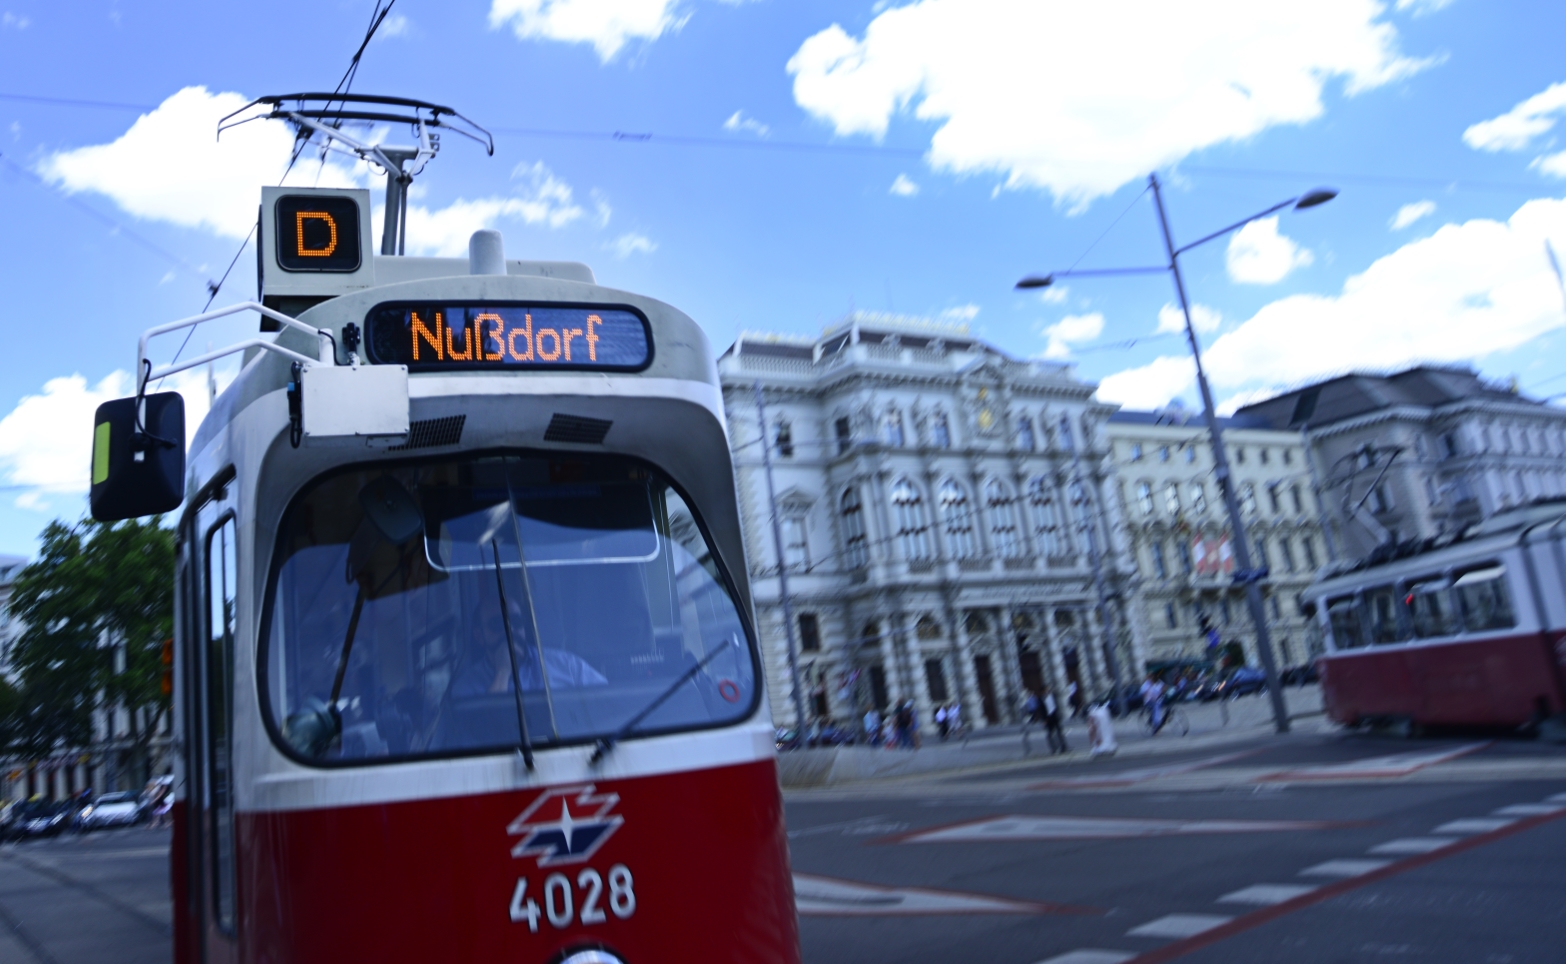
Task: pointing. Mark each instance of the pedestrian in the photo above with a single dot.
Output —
(873, 726)
(1101, 730)
(940, 721)
(954, 719)
(1073, 697)
(1153, 699)
(1032, 708)
(1051, 716)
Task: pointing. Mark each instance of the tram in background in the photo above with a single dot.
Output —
(465, 665)
(1469, 631)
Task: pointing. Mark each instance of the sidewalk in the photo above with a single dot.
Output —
(1001, 746)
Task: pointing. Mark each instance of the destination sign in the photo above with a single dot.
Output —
(317, 232)
(426, 337)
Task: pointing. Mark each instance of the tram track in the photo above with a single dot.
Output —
(162, 927)
(25, 937)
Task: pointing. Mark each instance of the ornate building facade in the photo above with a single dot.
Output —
(936, 500)
(1178, 533)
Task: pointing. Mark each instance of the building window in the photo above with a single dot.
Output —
(1184, 548)
(1160, 567)
(1263, 455)
(1272, 498)
(1239, 455)
(796, 546)
(855, 544)
(935, 676)
(1288, 457)
(1144, 498)
(1003, 520)
(1449, 444)
(809, 633)
(1294, 497)
(1170, 616)
(1248, 499)
(1380, 499)
(1310, 552)
(1431, 493)
(1163, 453)
(1225, 611)
(1276, 614)
(940, 431)
(1136, 451)
(957, 518)
(1190, 453)
(1287, 552)
(1025, 439)
(1262, 562)
(845, 434)
(912, 534)
(1066, 441)
(1172, 498)
(894, 429)
(1198, 497)
(1046, 519)
(785, 440)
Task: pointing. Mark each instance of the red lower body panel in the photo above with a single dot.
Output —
(1492, 681)
(680, 867)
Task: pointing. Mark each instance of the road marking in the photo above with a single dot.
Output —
(831, 897)
(1344, 868)
(862, 827)
(1558, 798)
(1375, 768)
(1021, 827)
(1475, 825)
(1179, 925)
(1265, 894)
(1530, 809)
(1090, 955)
(1413, 845)
(1126, 778)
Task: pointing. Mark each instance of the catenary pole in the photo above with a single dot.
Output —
(1242, 554)
(784, 599)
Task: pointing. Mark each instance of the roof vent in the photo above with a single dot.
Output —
(577, 428)
(430, 432)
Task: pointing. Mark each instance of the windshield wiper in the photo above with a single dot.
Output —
(606, 743)
(511, 651)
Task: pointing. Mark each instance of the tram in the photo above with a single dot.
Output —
(465, 667)
(1458, 632)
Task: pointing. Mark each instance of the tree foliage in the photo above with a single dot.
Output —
(93, 583)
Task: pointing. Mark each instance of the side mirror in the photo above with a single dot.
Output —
(138, 472)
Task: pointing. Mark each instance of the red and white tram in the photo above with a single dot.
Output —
(465, 663)
(1468, 631)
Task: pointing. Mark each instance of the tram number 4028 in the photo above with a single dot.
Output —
(563, 906)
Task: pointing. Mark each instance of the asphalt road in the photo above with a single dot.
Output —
(1317, 847)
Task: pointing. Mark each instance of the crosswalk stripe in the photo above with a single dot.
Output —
(1475, 825)
(1266, 894)
(1530, 809)
(1179, 925)
(1344, 868)
(1090, 955)
(1413, 845)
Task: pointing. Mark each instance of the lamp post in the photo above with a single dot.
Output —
(1247, 576)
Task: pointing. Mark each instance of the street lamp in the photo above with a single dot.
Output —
(1247, 576)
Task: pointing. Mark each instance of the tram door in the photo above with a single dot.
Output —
(211, 583)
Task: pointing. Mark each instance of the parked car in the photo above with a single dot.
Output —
(1243, 682)
(1299, 675)
(41, 818)
(122, 809)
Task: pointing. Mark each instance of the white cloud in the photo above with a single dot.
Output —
(1071, 330)
(1409, 213)
(739, 122)
(46, 440)
(170, 166)
(631, 243)
(1422, 7)
(1055, 294)
(15, 21)
(542, 199)
(1151, 385)
(903, 187)
(1466, 291)
(1259, 255)
(1172, 320)
(1066, 96)
(606, 24)
(1516, 129)
(395, 25)
(961, 313)
(1551, 164)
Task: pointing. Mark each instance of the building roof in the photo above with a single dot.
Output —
(868, 328)
(1177, 417)
(1360, 393)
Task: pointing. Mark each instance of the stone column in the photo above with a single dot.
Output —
(1010, 665)
(965, 679)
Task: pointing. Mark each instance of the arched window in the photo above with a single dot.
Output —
(894, 428)
(855, 544)
(1025, 439)
(957, 516)
(1198, 497)
(1003, 520)
(940, 431)
(908, 506)
(785, 439)
(1172, 498)
(1144, 497)
(1046, 516)
(1248, 499)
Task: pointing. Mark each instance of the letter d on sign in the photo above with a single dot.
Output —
(320, 247)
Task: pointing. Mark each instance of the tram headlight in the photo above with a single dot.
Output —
(590, 955)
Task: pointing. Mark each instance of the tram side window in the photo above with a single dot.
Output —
(469, 605)
(1430, 609)
(1484, 600)
(221, 582)
(1344, 615)
(1386, 626)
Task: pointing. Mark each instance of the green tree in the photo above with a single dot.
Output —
(93, 584)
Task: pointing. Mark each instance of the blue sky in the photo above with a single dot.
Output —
(969, 142)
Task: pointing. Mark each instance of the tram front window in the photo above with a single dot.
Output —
(397, 590)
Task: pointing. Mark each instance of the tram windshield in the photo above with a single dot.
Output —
(467, 605)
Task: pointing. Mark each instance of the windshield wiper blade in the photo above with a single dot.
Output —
(606, 743)
(511, 651)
